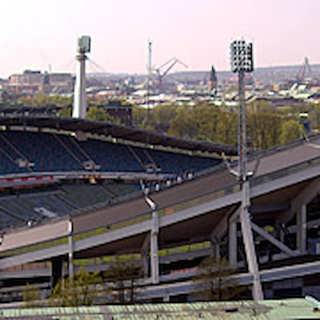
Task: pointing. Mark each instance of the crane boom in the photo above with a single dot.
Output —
(172, 62)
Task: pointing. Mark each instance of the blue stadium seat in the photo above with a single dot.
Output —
(55, 201)
(49, 152)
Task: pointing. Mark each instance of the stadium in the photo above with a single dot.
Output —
(85, 195)
(56, 169)
(74, 189)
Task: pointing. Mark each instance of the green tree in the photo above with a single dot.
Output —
(122, 273)
(158, 118)
(215, 278)
(290, 130)
(205, 118)
(139, 116)
(227, 126)
(264, 129)
(64, 112)
(266, 124)
(162, 117)
(82, 290)
(41, 99)
(31, 295)
(315, 116)
(183, 125)
(98, 114)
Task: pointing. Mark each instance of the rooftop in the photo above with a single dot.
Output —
(307, 308)
(115, 131)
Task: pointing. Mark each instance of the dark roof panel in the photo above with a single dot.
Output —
(116, 131)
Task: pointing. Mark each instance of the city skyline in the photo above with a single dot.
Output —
(37, 34)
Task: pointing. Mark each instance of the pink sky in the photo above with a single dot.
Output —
(36, 33)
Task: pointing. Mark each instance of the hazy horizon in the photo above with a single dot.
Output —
(36, 34)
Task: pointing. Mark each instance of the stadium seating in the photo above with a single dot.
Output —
(30, 151)
(37, 205)
(24, 151)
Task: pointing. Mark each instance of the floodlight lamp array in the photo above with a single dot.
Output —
(241, 56)
(84, 44)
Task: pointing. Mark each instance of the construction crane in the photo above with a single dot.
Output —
(163, 70)
(305, 73)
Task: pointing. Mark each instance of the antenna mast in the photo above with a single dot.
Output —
(149, 77)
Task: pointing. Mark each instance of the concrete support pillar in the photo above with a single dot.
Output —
(215, 250)
(281, 235)
(70, 251)
(215, 246)
(154, 254)
(56, 271)
(249, 246)
(80, 97)
(233, 245)
(145, 264)
(302, 229)
(145, 256)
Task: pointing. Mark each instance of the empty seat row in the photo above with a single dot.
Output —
(24, 151)
(34, 206)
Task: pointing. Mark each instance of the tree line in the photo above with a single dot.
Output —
(120, 282)
(268, 126)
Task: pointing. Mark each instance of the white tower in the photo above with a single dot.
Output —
(80, 97)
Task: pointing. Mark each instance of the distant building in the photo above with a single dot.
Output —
(279, 101)
(123, 113)
(31, 82)
(61, 82)
(213, 81)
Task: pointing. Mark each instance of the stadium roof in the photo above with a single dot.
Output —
(115, 131)
(307, 308)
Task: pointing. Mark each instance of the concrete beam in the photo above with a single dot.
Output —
(44, 254)
(271, 207)
(269, 275)
(233, 244)
(145, 249)
(221, 228)
(302, 229)
(304, 198)
(197, 210)
(279, 183)
(33, 235)
(62, 250)
(274, 241)
(70, 251)
(154, 250)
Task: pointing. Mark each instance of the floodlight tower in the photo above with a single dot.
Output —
(80, 97)
(242, 63)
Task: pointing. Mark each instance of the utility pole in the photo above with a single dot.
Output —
(241, 63)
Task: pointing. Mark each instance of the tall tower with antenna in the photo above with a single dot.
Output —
(213, 81)
(149, 59)
(149, 69)
(80, 97)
